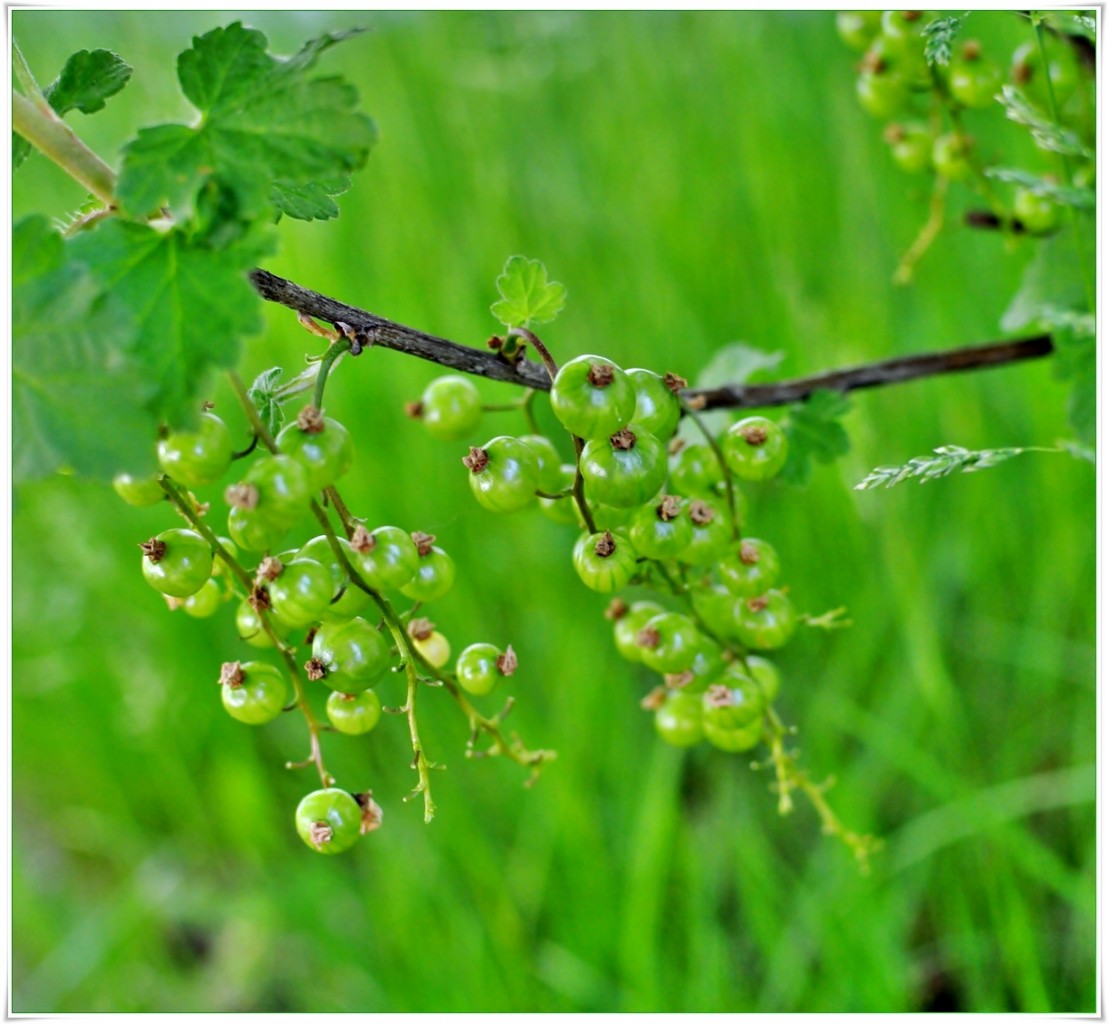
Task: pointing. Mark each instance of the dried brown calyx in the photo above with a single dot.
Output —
(675, 382)
(675, 445)
(315, 669)
(894, 133)
(600, 375)
(719, 696)
(1022, 73)
(754, 435)
(269, 570)
(414, 410)
(476, 460)
(606, 546)
(259, 598)
(231, 674)
(495, 343)
(701, 513)
(507, 663)
(616, 609)
(173, 603)
(873, 63)
(244, 496)
(748, 554)
(757, 604)
(654, 699)
(648, 637)
(669, 508)
(362, 541)
(371, 812)
(423, 542)
(911, 15)
(310, 420)
(972, 50)
(420, 629)
(320, 833)
(153, 550)
(680, 680)
(623, 440)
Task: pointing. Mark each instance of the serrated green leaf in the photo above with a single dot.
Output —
(939, 36)
(527, 296)
(1051, 282)
(736, 363)
(264, 120)
(264, 394)
(814, 432)
(1063, 195)
(79, 399)
(310, 201)
(193, 304)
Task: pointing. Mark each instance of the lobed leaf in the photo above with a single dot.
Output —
(527, 296)
(814, 432)
(310, 201)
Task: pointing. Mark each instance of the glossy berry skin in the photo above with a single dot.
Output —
(656, 407)
(711, 533)
(249, 626)
(766, 622)
(433, 578)
(747, 701)
(592, 397)
(476, 668)
(626, 628)
(353, 601)
(736, 740)
(562, 510)
(1028, 75)
(858, 28)
(325, 455)
(751, 569)
(252, 531)
(354, 654)
(219, 567)
(706, 668)
(205, 602)
(283, 489)
(668, 643)
(902, 33)
(301, 593)
(974, 82)
(1038, 214)
(755, 448)
(625, 470)
(950, 156)
(450, 408)
(548, 460)
(882, 94)
(910, 146)
(608, 569)
(658, 531)
(183, 568)
(765, 675)
(719, 609)
(508, 480)
(138, 491)
(354, 713)
(434, 648)
(329, 820)
(680, 720)
(695, 471)
(259, 698)
(391, 562)
(197, 457)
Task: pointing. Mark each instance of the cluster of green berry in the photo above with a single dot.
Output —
(897, 84)
(658, 512)
(332, 588)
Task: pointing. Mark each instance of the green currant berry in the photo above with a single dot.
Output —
(668, 643)
(951, 156)
(1037, 213)
(624, 470)
(1027, 73)
(765, 675)
(902, 32)
(386, 556)
(974, 80)
(752, 570)
(734, 700)
(354, 713)
(197, 457)
(711, 533)
(205, 602)
(434, 575)
(663, 530)
(137, 490)
(733, 741)
(320, 444)
(503, 475)
(858, 28)
(450, 408)
(882, 92)
(766, 622)
(353, 600)
(431, 645)
(349, 656)
(628, 622)
(300, 590)
(910, 145)
(604, 561)
(657, 408)
(718, 608)
(608, 518)
(706, 667)
(481, 666)
(592, 397)
(548, 460)
(562, 510)
(695, 471)
(680, 719)
(219, 567)
(253, 531)
(329, 820)
(177, 562)
(249, 625)
(755, 448)
(254, 693)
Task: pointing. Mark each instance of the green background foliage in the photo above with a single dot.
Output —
(693, 179)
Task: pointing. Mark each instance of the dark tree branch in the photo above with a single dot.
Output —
(379, 331)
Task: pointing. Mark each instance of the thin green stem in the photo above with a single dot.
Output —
(26, 78)
(728, 477)
(261, 431)
(49, 134)
(330, 357)
(205, 531)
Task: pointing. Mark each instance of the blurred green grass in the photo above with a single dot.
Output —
(694, 179)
